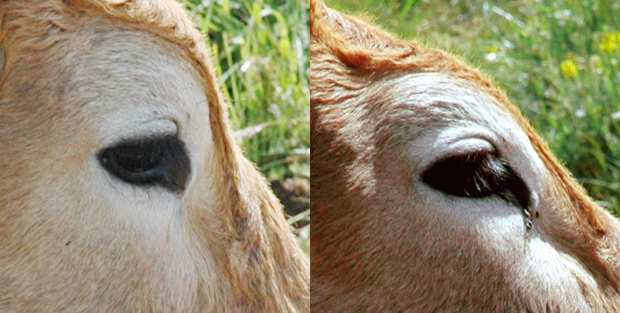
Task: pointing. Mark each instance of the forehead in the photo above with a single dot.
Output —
(440, 97)
(127, 78)
(66, 94)
(431, 101)
(416, 103)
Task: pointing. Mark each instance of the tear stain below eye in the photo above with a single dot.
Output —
(477, 174)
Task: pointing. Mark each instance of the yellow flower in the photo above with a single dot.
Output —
(569, 68)
(493, 48)
(610, 42)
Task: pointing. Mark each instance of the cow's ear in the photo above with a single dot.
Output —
(355, 41)
(354, 30)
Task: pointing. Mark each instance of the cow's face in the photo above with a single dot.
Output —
(107, 165)
(432, 193)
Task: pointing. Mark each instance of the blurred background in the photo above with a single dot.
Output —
(556, 59)
(261, 52)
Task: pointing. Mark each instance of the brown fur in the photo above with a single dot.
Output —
(349, 59)
(46, 266)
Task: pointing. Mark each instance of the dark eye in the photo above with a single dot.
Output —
(152, 161)
(475, 175)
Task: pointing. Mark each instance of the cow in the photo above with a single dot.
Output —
(432, 193)
(121, 186)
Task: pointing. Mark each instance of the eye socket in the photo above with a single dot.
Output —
(152, 161)
(477, 174)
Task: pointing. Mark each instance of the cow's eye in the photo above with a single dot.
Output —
(476, 174)
(145, 162)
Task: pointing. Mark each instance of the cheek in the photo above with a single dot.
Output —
(395, 176)
(392, 211)
(205, 179)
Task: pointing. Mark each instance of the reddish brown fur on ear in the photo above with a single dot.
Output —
(351, 39)
(354, 46)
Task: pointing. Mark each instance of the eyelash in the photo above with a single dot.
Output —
(477, 174)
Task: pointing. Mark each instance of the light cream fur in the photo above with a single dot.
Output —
(382, 111)
(79, 76)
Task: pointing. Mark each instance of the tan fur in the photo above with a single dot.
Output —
(357, 267)
(235, 252)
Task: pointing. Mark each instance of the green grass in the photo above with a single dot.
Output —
(558, 60)
(261, 53)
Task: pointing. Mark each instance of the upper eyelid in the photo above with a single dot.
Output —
(154, 128)
(461, 155)
(144, 140)
(453, 143)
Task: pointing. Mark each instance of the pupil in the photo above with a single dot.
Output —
(476, 175)
(137, 161)
(159, 161)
